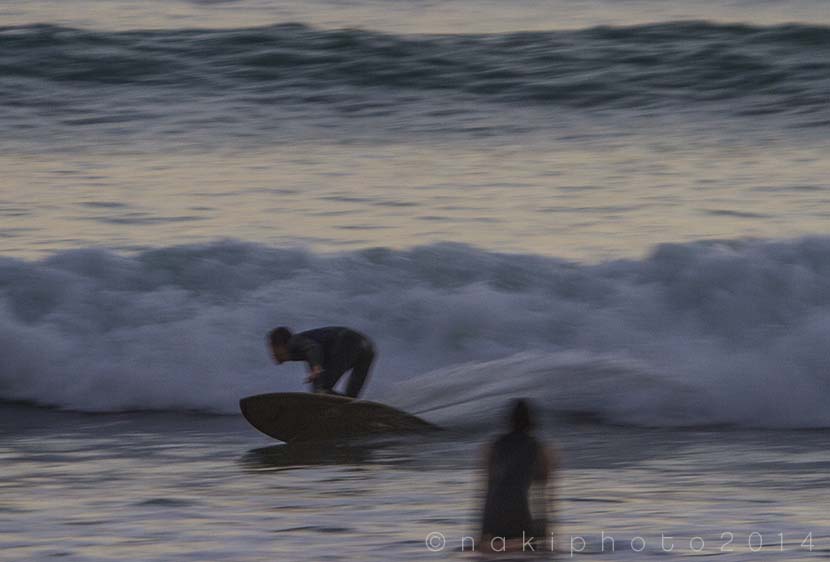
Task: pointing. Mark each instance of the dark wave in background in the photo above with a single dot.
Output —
(731, 332)
(70, 77)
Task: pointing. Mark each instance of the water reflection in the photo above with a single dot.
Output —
(307, 454)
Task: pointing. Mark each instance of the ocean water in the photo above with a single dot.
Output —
(162, 487)
(616, 208)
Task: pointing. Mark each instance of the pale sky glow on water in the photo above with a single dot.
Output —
(580, 201)
(453, 16)
(545, 158)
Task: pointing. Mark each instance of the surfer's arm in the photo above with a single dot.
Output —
(315, 373)
(548, 462)
(311, 352)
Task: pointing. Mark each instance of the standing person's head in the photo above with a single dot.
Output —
(521, 418)
(278, 341)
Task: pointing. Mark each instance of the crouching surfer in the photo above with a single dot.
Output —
(329, 352)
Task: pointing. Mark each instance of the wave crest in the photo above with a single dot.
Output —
(728, 332)
(780, 69)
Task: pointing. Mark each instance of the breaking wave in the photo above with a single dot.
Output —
(729, 332)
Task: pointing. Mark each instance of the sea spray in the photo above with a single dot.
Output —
(728, 332)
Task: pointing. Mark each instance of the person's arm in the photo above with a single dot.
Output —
(547, 463)
(541, 490)
(312, 353)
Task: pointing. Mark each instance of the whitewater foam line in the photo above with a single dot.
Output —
(730, 332)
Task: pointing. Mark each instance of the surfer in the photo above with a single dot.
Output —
(513, 462)
(329, 352)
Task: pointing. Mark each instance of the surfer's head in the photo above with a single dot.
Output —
(520, 416)
(278, 340)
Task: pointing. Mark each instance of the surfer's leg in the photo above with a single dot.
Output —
(330, 391)
(360, 371)
(338, 361)
(328, 378)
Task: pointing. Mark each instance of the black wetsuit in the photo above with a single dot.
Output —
(515, 462)
(335, 350)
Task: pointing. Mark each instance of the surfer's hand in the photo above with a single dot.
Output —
(314, 374)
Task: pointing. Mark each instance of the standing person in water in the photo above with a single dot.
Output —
(329, 352)
(513, 462)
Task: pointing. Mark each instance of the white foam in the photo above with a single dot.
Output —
(729, 332)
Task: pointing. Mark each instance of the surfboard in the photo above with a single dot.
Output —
(295, 417)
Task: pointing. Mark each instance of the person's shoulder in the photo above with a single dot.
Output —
(303, 337)
(312, 332)
(508, 439)
(322, 329)
(534, 443)
(339, 330)
(355, 332)
(294, 341)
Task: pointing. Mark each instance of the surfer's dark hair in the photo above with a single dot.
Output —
(520, 416)
(279, 336)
